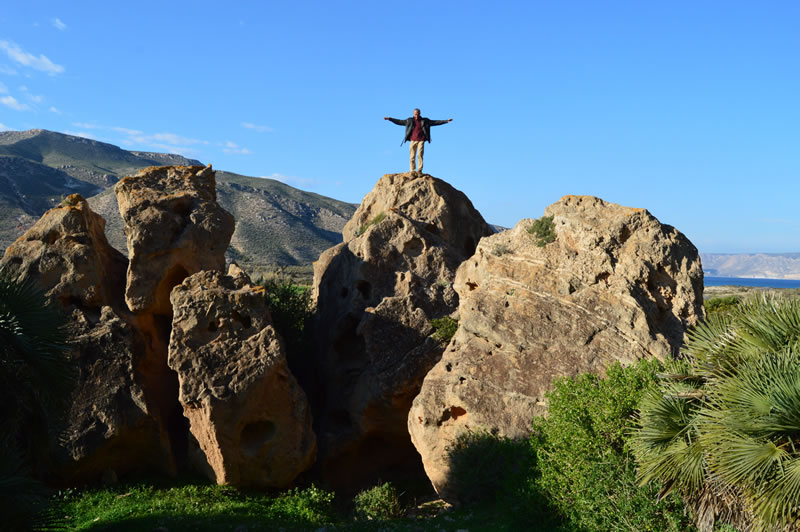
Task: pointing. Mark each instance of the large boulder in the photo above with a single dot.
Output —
(174, 228)
(112, 423)
(248, 414)
(614, 285)
(67, 254)
(376, 294)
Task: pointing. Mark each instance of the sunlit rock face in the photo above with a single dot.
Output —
(376, 294)
(614, 285)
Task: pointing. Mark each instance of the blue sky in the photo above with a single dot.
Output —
(689, 109)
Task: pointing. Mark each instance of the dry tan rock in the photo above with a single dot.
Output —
(615, 285)
(113, 424)
(67, 254)
(247, 412)
(174, 228)
(376, 295)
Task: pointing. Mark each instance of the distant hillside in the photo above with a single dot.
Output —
(277, 225)
(756, 265)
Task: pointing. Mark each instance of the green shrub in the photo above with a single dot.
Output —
(36, 378)
(444, 328)
(718, 305)
(485, 467)
(310, 505)
(291, 308)
(722, 428)
(584, 465)
(544, 230)
(378, 503)
(375, 221)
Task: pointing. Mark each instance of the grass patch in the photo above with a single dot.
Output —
(444, 328)
(375, 221)
(544, 231)
(194, 506)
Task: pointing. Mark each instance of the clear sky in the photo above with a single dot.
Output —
(687, 108)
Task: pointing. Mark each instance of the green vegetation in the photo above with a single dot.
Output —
(292, 309)
(378, 503)
(584, 466)
(487, 468)
(195, 506)
(544, 230)
(722, 428)
(375, 221)
(718, 305)
(35, 380)
(444, 328)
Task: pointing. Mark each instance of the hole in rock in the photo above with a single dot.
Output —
(51, 237)
(255, 435)
(472, 286)
(454, 412)
(469, 247)
(213, 326)
(246, 321)
(182, 206)
(413, 248)
(343, 293)
(364, 288)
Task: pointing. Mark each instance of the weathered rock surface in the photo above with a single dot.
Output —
(376, 295)
(247, 412)
(174, 228)
(67, 254)
(111, 425)
(615, 285)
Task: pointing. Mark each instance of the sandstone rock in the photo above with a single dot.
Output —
(615, 285)
(376, 295)
(67, 254)
(247, 412)
(112, 425)
(174, 228)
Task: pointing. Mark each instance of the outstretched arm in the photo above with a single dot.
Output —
(395, 121)
(440, 122)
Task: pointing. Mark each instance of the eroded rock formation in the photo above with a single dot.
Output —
(112, 424)
(615, 285)
(376, 295)
(174, 228)
(246, 410)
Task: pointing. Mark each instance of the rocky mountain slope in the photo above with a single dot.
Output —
(754, 265)
(276, 224)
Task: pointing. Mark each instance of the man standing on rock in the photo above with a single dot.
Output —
(418, 130)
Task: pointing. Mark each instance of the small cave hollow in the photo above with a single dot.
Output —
(245, 320)
(255, 435)
(365, 289)
(454, 412)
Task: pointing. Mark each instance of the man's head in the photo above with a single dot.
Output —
(416, 113)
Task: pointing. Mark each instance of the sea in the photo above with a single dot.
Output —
(746, 281)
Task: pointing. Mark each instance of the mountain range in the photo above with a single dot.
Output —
(754, 265)
(277, 225)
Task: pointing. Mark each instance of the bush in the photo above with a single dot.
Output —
(722, 427)
(544, 230)
(291, 308)
(378, 503)
(36, 378)
(485, 467)
(444, 328)
(584, 465)
(719, 305)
